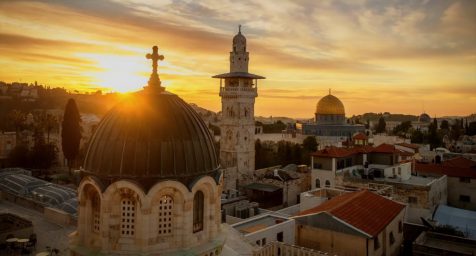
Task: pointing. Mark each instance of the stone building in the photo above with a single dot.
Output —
(461, 175)
(238, 90)
(356, 223)
(329, 120)
(358, 167)
(151, 181)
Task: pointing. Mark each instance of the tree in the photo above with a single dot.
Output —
(471, 129)
(456, 130)
(417, 137)
(17, 118)
(444, 125)
(402, 128)
(310, 144)
(49, 122)
(71, 132)
(42, 155)
(434, 139)
(380, 128)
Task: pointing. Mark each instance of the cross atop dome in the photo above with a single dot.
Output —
(154, 80)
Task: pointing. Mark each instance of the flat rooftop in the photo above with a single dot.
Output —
(413, 180)
(48, 233)
(453, 244)
(257, 224)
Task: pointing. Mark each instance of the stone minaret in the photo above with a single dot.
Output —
(238, 90)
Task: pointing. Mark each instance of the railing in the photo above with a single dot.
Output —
(276, 248)
(238, 90)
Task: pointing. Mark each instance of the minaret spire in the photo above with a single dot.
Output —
(239, 29)
(154, 80)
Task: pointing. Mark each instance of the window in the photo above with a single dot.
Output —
(400, 227)
(166, 204)
(376, 243)
(318, 183)
(198, 211)
(263, 241)
(464, 179)
(391, 238)
(128, 217)
(96, 206)
(412, 200)
(328, 183)
(464, 198)
(399, 170)
(279, 236)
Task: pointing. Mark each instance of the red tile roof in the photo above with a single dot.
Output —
(384, 148)
(460, 162)
(455, 167)
(363, 210)
(335, 152)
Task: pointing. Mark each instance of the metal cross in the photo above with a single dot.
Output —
(155, 57)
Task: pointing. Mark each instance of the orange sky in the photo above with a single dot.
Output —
(377, 56)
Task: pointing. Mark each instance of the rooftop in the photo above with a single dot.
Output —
(456, 167)
(259, 223)
(408, 145)
(362, 210)
(463, 220)
(345, 152)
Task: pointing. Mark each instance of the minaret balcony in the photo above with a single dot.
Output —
(238, 91)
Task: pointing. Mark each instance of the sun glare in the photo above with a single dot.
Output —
(118, 73)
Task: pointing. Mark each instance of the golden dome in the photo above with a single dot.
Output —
(330, 105)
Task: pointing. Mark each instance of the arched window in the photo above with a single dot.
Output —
(318, 183)
(128, 210)
(328, 183)
(96, 207)
(166, 204)
(198, 211)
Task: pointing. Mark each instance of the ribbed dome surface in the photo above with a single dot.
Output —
(151, 135)
(330, 105)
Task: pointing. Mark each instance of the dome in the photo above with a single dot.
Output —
(424, 118)
(239, 41)
(149, 136)
(330, 105)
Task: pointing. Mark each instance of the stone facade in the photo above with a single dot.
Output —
(123, 219)
(238, 90)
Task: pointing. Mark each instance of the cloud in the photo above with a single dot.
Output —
(396, 52)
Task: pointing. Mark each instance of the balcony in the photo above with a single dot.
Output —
(238, 91)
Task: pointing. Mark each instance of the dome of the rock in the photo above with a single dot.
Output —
(330, 105)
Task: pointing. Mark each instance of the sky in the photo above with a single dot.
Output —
(377, 56)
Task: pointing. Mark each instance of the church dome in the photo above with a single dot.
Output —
(330, 105)
(424, 118)
(151, 135)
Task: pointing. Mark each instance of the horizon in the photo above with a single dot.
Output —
(405, 58)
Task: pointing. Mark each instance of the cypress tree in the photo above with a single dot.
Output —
(71, 132)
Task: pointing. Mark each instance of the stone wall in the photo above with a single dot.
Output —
(282, 249)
